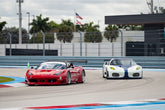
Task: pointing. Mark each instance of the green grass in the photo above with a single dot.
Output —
(5, 79)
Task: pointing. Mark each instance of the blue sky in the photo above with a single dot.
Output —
(90, 10)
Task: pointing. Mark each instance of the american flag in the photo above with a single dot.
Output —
(78, 16)
(78, 22)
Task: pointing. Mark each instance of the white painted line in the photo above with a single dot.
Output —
(16, 84)
(12, 109)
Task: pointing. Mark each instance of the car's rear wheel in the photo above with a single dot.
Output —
(83, 77)
(68, 78)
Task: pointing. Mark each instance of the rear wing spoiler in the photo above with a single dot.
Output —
(77, 61)
(107, 59)
(70, 61)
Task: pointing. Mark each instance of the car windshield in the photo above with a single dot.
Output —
(51, 66)
(123, 62)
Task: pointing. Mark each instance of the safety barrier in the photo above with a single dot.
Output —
(145, 61)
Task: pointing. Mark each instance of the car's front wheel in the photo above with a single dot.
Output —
(68, 78)
(107, 74)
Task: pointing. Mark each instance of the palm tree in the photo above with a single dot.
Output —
(65, 31)
(68, 23)
(2, 24)
(111, 33)
(39, 24)
(92, 33)
(162, 10)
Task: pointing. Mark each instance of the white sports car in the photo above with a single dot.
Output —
(122, 68)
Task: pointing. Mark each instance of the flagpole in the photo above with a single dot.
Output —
(74, 20)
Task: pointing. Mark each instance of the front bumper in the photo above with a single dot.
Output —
(47, 80)
(125, 74)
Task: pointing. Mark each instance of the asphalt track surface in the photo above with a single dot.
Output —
(94, 90)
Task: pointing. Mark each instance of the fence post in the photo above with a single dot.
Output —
(85, 49)
(112, 49)
(98, 49)
(121, 41)
(73, 49)
(164, 32)
(61, 49)
(80, 43)
(43, 34)
(10, 43)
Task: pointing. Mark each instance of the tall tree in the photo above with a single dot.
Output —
(82, 27)
(67, 22)
(53, 27)
(49, 38)
(162, 10)
(39, 24)
(2, 24)
(15, 33)
(65, 31)
(111, 33)
(92, 33)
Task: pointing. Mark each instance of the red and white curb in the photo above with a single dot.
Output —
(13, 85)
(92, 105)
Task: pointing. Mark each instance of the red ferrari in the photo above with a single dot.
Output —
(54, 73)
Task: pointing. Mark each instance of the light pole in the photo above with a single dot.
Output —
(121, 41)
(20, 21)
(28, 13)
(33, 28)
(43, 34)
(80, 43)
(10, 42)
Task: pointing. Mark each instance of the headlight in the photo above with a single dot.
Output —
(137, 68)
(112, 68)
(29, 73)
(58, 73)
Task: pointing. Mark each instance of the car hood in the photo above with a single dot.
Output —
(124, 67)
(43, 71)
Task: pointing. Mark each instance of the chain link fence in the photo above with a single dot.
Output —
(112, 43)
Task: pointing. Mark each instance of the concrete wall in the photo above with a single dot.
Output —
(72, 49)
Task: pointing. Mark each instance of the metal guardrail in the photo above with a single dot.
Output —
(144, 61)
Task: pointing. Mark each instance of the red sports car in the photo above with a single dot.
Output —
(54, 73)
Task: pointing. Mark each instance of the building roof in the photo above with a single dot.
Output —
(136, 19)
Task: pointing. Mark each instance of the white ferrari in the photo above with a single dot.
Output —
(122, 68)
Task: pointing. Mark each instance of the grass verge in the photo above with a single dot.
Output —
(5, 79)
